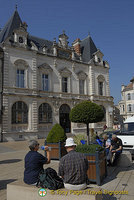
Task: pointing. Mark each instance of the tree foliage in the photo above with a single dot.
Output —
(56, 134)
(86, 112)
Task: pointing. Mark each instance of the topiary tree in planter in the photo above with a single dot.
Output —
(56, 134)
(55, 140)
(87, 112)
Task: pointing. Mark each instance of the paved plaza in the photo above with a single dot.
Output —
(12, 167)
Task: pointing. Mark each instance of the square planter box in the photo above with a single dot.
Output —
(97, 170)
(58, 150)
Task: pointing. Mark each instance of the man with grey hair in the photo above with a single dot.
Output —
(115, 149)
(34, 162)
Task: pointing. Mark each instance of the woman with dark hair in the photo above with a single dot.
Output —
(34, 162)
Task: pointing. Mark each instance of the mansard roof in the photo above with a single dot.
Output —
(88, 48)
(13, 23)
(87, 45)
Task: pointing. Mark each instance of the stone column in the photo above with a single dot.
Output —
(34, 115)
(92, 81)
(107, 84)
(6, 121)
(34, 71)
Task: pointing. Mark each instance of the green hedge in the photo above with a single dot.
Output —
(92, 148)
(56, 134)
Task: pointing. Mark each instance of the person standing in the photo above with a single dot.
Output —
(73, 168)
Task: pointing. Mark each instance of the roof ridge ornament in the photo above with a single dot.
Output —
(16, 7)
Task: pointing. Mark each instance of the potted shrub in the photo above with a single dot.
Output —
(96, 157)
(55, 140)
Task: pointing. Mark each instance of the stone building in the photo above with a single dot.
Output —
(43, 80)
(126, 104)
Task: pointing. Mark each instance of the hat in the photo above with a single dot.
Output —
(69, 142)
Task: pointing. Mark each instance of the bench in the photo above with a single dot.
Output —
(125, 159)
(19, 190)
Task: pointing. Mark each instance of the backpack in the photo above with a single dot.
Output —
(48, 178)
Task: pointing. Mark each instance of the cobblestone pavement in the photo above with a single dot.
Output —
(12, 167)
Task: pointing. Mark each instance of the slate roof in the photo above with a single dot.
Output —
(87, 49)
(13, 23)
(87, 45)
(40, 43)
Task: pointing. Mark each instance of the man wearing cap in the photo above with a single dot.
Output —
(73, 167)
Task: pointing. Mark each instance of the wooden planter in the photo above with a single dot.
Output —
(97, 170)
(57, 150)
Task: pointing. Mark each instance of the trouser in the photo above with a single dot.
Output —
(114, 156)
(75, 187)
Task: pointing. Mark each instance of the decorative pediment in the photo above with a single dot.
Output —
(21, 62)
(81, 75)
(45, 67)
(101, 78)
(34, 47)
(65, 72)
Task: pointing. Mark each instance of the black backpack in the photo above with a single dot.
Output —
(48, 178)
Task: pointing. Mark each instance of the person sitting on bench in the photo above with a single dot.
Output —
(34, 162)
(115, 149)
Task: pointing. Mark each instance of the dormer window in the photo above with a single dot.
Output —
(20, 39)
(99, 60)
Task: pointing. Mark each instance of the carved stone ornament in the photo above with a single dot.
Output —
(45, 67)
(81, 75)
(65, 72)
(101, 78)
(21, 62)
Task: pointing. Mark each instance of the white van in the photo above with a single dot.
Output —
(127, 134)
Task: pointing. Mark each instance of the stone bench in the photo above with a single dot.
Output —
(18, 190)
(125, 159)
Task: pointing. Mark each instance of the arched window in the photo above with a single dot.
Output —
(19, 113)
(45, 113)
(64, 118)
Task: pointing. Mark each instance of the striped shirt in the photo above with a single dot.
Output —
(73, 168)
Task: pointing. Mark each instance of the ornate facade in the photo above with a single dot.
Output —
(43, 80)
(126, 105)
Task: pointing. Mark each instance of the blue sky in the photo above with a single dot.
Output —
(110, 23)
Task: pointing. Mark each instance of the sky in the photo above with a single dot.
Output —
(109, 22)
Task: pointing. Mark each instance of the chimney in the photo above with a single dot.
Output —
(76, 45)
(132, 80)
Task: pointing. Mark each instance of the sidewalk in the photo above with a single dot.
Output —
(12, 167)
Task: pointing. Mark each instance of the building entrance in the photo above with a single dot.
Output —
(64, 118)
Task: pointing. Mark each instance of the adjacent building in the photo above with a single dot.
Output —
(43, 80)
(126, 104)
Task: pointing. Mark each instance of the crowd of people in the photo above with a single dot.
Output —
(73, 166)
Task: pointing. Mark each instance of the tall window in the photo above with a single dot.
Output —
(100, 88)
(81, 86)
(19, 113)
(20, 78)
(45, 82)
(45, 113)
(123, 108)
(129, 107)
(64, 84)
(129, 96)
